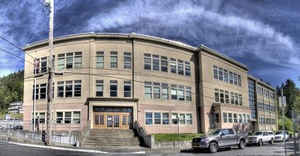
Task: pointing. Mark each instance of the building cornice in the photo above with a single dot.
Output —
(261, 82)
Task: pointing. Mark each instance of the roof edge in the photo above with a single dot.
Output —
(261, 82)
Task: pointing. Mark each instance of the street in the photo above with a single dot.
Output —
(17, 150)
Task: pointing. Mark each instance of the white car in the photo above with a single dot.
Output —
(281, 136)
(261, 137)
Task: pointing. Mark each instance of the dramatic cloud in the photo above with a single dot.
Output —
(261, 34)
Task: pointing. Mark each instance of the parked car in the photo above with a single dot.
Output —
(221, 138)
(18, 127)
(281, 136)
(261, 137)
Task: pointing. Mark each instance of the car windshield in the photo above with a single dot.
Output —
(258, 133)
(278, 133)
(216, 132)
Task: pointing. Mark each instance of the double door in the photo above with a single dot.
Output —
(112, 120)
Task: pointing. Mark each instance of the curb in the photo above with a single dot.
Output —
(72, 149)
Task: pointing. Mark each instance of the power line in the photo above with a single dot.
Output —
(10, 53)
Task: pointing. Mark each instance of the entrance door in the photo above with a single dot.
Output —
(112, 120)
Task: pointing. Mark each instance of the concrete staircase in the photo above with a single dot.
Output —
(97, 138)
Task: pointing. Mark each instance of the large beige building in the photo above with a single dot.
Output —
(111, 81)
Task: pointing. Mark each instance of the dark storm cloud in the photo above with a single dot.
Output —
(261, 34)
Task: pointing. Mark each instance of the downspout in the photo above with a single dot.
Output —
(132, 72)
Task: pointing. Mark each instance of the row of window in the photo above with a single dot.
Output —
(266, 107)
(162, 63)
(156, 90)
(265, 92)
(72, 117)
(113, 88)
(227, 76)
(163, 118)
(223, 96)
(235, 118)
(268, 121)
(113, 59)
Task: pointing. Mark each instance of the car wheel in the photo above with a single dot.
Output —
(260, 143)
(213, 147)
(271, 141)
(242, 144)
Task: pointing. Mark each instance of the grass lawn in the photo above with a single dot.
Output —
(175, 137)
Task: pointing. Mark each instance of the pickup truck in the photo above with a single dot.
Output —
(220, 138)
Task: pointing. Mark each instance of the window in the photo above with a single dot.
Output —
(36, 66)
(42, 117)
(180, 67)
(187, 68)
(240, 99)
(156, 90)
(181, 93)
(69, 63)
(60, 89)
(100, 59)
(216, 74)
(76, 118)
(77, 88)
(225, 117)
(248, 117)
(239, 80)
(68, 117)
(59, 117)
(232, 97)
(165, 118)
(173, 92)
(189, 119)
(147, 61)
(222, 96)
(99, 87)
(164, 63)
(231, 77)
(113, 88)
(174, 118)
(173, 65)
(157, 118)
(230, 117)
(61, 61)
(226, 78)
(127, 88)
(182, 118)
(155, 62)
(148, 90)
(235, 79)
(149, 118)
(227, 97)
(188, 93)
(44, 65)
(164, 91)
(43, 91)
(235, 118)
(113, 59)
(217, 95)
(36, 92)
(78, 59)
(69, 89)
(127, 60)
(240, 118)
(221, 74)
(236, 101)
(245, 119)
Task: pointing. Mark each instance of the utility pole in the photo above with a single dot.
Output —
(50, 4)
(34, 102)
(283, 120)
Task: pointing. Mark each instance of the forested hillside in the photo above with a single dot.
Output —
(11, 89)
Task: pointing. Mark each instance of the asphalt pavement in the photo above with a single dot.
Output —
(18, 150)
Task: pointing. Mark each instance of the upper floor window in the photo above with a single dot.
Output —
(231, 77)
(69, 63)
(217, 95)
(77, 88)
(148, 90)
(165, 91)
(44, 65)
(187, 68)
(164, 63)
(127, 60)
(100, 59)
(216, 73)
(188, 93)
(43, 91)
(181, 93)
(61, 61)
(180, 67)
(78, 59)
(173, 65)
(173, 92)
(226, 76)
(147, 61)
(155, 63)
(99, 87)
(113, 88)
(113, 59)
(36, 92)
(127, 88)
(60, 89)
(239, 80)
(235, 79)
(221, 74)
(156, 90)
(69, 89)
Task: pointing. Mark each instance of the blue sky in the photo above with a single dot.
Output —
(263, 34)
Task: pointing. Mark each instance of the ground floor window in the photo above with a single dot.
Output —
(163, 118)
(149, 118)
(68, 117)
